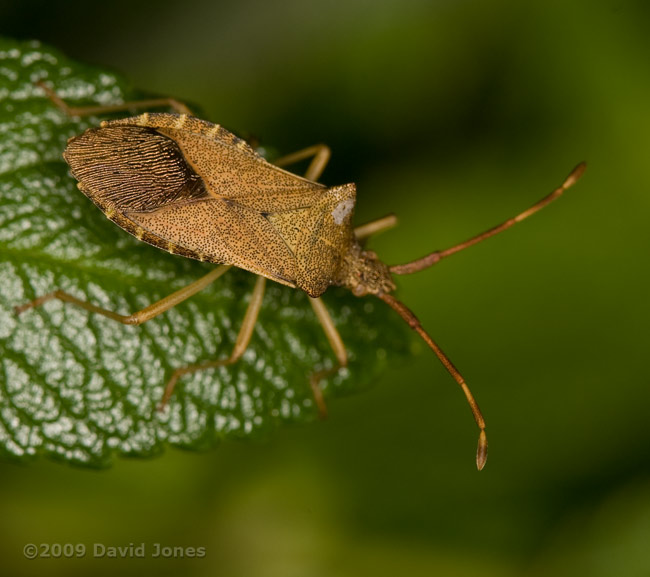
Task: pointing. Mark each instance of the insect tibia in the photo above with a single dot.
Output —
(363, 273)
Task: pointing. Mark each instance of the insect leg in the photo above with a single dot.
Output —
(321, 154)
(339, 350)
(105, 109)
(140, 316)
(437, 256)
(241, 343)
(375, 227)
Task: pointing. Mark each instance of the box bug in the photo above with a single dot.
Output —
(194, 189)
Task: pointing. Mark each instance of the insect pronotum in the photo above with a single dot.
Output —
(192, 188)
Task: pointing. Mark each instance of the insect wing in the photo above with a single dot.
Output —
(140, 179)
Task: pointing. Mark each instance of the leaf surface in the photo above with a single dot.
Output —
(80, 387)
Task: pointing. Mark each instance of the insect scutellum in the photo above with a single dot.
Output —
(192, 188)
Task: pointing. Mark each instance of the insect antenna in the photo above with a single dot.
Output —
(437, 256)
(414, 323)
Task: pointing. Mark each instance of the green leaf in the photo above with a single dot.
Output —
(78, 386)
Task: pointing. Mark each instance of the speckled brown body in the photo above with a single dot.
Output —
(192, 188)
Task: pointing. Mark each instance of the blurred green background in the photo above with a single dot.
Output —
(455, 114)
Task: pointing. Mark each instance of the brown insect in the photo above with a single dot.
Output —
(192, 188)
